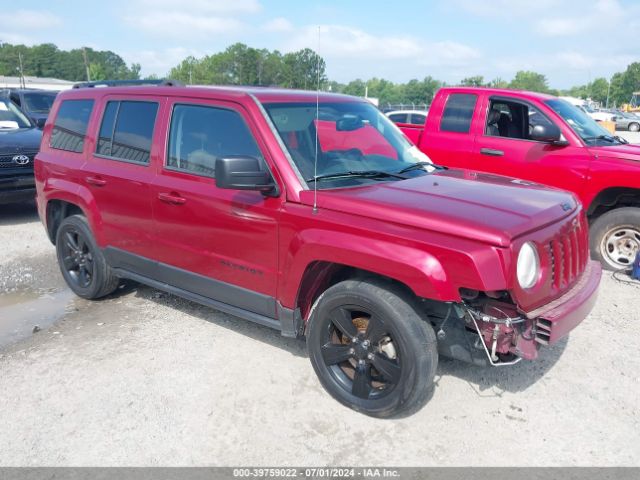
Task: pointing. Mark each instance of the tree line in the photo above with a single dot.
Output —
(80, 64)
(240, 64)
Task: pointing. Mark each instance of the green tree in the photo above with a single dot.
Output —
(476, 81)
(97, 72)
(498, 83)
(598, 90)
(532, 81)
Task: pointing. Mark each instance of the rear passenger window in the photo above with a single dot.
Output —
(458, 113)
(70, 126)
(199, 135)
(126, 131)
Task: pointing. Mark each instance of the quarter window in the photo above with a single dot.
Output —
(458, 113)
(70, 126)
(126, 131)
(199, 135)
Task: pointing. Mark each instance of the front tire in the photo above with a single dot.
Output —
(615, 238)
(81, 262)
(634, 127)
(371, 349)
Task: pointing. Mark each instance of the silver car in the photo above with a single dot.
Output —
(628, 121)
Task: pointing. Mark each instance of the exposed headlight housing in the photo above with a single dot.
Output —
(528, 269)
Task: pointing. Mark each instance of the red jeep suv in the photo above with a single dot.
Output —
(312, 214)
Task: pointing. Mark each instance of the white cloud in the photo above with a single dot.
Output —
(600, 18)
(160, 61)
(21, 20)
(341, 41)
(448, 53)
(181, 25)
(501, 8)
(279, 24)
(26, 21)
(215, 7)
(191, 18)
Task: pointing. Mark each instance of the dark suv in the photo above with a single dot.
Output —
(19, 143)
(34, 102)
(312, 214)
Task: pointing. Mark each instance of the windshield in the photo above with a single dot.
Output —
(581, 123)
(352, 137)
(11, 117)
(38, 102)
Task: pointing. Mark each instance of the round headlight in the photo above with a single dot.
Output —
(528, 269)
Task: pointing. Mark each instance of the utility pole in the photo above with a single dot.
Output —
(86, 63)
(22, 82)
(608, 90)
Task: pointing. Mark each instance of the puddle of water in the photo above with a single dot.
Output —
(21, 311)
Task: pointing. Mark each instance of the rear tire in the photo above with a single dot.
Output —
(634, 127)
(81, 262)
(614, 238)
(390, 366)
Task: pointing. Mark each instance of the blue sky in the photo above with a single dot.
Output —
(570, 41)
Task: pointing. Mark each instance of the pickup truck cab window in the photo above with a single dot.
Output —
(199, 135)
(353, 137)
(127, 130)
(511, 119)
(458, 113)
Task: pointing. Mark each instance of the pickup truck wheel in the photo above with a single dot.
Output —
(82, 264)
(615, 238)
(634, 127)
(371, 349)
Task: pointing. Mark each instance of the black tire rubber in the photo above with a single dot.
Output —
(634, 127)
(414, 339)
(625, 216)
(103, 281)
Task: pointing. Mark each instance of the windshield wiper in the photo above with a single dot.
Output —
(422, 165)
(356, 173)
(608, 138)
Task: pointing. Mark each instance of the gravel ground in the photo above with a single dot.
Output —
(146, 378)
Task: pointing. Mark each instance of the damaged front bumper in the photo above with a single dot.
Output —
(498, 334)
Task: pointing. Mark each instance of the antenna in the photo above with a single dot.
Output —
(315, 160)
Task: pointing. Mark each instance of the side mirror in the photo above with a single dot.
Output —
(40, 122)
(244, 173)
(549, 133)
(349, 123)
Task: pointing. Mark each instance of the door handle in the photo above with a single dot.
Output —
(491, 152)
(97, 181)
(172, 198)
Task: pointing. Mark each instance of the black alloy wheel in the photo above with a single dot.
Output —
(371, 348)
(81, 261)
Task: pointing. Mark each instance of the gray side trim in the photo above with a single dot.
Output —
(217, 290)
(291, 322)
(206, 287)
(194, 297)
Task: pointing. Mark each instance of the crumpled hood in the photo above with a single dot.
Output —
(463, 203)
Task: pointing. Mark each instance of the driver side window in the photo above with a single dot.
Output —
(513, 119)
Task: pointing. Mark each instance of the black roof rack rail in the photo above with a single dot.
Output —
(125, 83)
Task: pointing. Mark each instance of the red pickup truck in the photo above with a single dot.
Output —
(546, 140)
